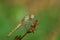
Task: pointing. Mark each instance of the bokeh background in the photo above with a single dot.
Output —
(46, 11)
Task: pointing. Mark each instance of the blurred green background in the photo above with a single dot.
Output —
(11, 14)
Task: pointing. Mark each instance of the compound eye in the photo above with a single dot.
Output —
(26, 18)
(32, 16)
(29, 17)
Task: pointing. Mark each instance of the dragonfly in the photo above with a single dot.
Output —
(32, 28)
(27, 20)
